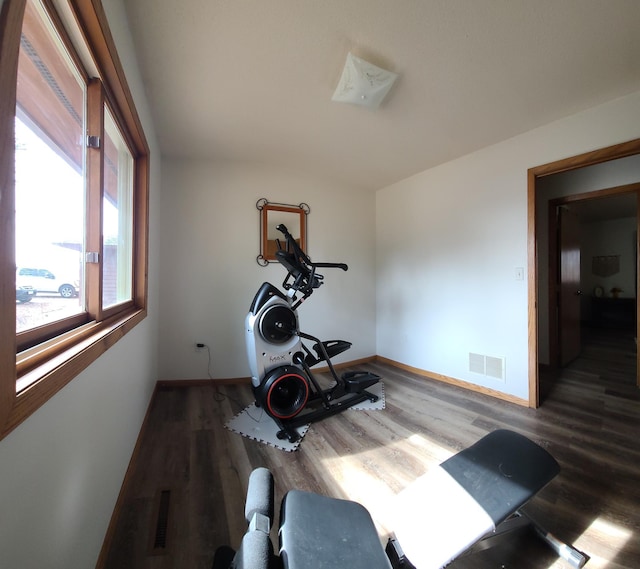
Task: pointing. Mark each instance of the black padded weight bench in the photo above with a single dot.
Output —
(470, 498)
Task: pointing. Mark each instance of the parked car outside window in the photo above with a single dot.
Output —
(24, 293)
(44, 280)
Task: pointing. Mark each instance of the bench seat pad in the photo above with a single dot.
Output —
(448, 509)
(318, 532)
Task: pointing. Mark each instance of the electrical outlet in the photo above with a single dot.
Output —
(199, 346)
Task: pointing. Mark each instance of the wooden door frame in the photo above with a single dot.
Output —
(607, 154)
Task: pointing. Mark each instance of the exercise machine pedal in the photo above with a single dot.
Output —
(357, 381)
(324, 351)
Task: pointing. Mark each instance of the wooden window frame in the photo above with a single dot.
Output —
(29, 378)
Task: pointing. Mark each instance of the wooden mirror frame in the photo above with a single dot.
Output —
(272, 214)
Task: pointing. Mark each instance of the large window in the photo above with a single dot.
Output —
(73, 201)
(49, 175)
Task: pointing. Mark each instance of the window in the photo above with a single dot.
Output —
(73, 201)
(116, 216)
(49, 175)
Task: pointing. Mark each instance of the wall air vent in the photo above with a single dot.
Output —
(476, 363)
(494, 367)
(490, 366)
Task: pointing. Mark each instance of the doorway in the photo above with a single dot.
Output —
(593, 260)
(541, 329)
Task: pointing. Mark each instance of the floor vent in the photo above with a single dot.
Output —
(159, 540)
(487, 365)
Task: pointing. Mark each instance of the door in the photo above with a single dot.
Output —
(569, 285)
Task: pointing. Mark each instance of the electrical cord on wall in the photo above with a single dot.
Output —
(209, 374)
(218, 396)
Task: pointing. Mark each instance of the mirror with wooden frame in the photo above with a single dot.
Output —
(294, 217)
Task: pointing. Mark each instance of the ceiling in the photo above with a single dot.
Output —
(251, 80)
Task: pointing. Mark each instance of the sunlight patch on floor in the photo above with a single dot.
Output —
(613, 538)
(609, 535)
(361, 481)
(614, 534)
(434, 450)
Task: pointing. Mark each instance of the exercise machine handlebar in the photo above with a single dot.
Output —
(302, 256)
(299, 266)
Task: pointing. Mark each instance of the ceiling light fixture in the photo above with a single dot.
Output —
(363, 83)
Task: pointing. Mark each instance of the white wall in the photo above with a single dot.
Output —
(62, 469)
(209, 274)
(448, 241)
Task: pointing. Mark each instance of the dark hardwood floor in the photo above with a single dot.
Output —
(590, 422)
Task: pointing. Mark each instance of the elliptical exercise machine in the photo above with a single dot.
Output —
(281, 376)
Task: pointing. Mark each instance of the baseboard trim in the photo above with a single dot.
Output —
(115, 515)
(457, 382)
(173, 383)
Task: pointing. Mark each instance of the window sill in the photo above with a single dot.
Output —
(43, 370)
